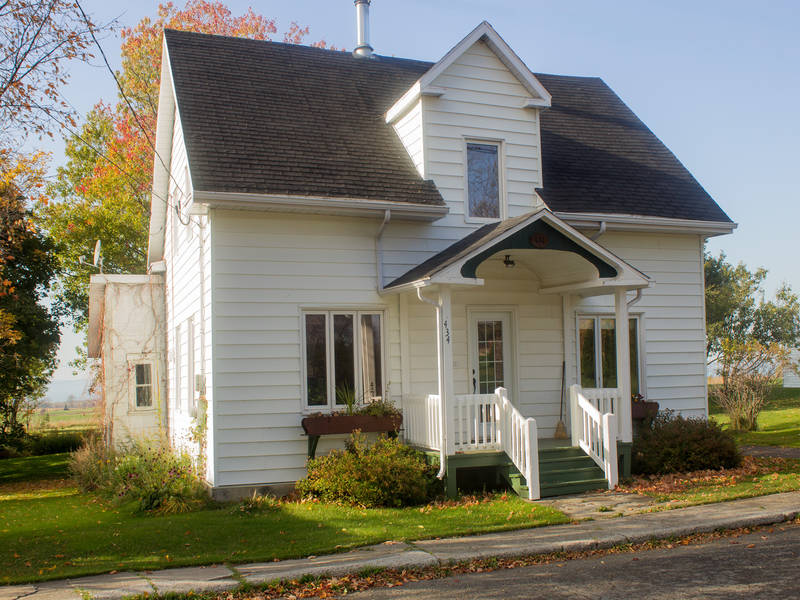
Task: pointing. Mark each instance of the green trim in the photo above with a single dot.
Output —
(548, 238)
(624, 454)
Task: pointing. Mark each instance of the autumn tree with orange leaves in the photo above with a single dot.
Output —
(103, 190)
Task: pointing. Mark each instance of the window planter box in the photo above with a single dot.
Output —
(643, 410)
(332, 424)
(318, 425)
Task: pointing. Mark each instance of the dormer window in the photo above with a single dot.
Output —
(483, 180)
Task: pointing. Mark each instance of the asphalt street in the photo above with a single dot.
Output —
(754, 566)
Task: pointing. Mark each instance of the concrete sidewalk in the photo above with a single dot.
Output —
(585, 535)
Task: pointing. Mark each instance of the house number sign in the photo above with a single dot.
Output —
(539, 240)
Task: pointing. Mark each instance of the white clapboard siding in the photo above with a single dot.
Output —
(482, 100)
(791, 375)
(267, 269)
(183, 253)
(671, 317)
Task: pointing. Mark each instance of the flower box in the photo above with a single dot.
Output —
(332, 424)
(643, 410)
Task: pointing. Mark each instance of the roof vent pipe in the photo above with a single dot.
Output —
(363, 49)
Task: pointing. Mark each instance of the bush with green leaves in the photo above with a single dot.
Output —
(386, 473)
(671, 443)
(149, 473)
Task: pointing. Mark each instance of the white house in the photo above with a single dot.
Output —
(449, 235)
(791, 376)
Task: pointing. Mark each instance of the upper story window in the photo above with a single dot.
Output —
(483, 180)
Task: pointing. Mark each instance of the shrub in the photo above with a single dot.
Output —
(157, 478)
(386, 473)
(91, 466)
(674, 444)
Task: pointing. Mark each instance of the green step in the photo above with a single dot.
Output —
(570, 475)
(573, 487)
(560, 452)
(568, 462)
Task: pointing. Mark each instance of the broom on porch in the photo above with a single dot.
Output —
(561, 430)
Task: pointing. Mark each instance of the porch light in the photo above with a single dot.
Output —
(508, 262)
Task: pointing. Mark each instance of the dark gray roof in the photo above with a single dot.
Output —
(266, 117)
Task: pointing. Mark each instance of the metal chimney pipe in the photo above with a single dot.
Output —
(363, 49)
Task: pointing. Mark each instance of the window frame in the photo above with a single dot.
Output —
(640, 339)
(501, 188)
(133, 361)
(356, 314)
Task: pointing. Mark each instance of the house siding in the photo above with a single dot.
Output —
(791, 376)
(267, 269)
(187, 254)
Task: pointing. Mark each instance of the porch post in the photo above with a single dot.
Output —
(447, 397)
(623, 366)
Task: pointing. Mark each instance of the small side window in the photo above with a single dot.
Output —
(143, 385)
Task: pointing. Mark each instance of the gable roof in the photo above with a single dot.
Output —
(273, 118)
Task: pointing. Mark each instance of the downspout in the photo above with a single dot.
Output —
(387, 216)
(636, 298)
(599, 232)
(442, 424)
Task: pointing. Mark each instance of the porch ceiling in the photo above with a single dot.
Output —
(540, 245)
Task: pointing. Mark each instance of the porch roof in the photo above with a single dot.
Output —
(536, 231)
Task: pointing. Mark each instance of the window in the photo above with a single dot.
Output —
(143, 385)
(178, 387)
(343, 357)
(191, 399)
(483, 180)
(597, 338)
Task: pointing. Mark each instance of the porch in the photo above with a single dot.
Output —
(504, 330)
(487, 430)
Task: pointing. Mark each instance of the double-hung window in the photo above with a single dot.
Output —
(483, 180)
(343, 357)
(597, 350)
(141, 368)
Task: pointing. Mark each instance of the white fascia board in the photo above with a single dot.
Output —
(597, 287)
(649, 224)
(355, 207)
(165, 123)
(424, 85)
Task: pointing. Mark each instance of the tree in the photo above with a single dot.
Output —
(747, 336)
(735, 312)
(37, 38)
(103, 192)
(30, 331)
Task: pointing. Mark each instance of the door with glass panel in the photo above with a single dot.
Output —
(491, 365)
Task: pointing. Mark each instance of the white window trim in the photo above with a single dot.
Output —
(501, 176)
(177, 367)
(141, 359)
(640, 343)
(331, 406)
(191, 400)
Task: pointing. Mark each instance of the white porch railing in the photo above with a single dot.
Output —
(606, 400)
(479, 422)
(422, 421)
(595, 431)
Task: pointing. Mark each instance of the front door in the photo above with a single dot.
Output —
(491, 363)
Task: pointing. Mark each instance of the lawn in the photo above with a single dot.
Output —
(778, 423)
(73, 419)
(50, 530)
(31, 468)
(755, 477)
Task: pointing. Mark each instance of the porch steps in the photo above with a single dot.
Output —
(562, 470)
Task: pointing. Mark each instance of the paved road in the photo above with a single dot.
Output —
(727, 568)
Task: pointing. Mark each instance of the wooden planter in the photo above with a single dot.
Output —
(330, 424)
(643, 410)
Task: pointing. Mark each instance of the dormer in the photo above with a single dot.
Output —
(471, 124)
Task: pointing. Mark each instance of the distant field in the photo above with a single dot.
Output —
(70, 419)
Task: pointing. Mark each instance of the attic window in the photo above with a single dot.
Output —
(483, 181)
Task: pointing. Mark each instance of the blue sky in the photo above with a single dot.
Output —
(717, 81)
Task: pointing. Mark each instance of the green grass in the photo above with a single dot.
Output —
(77, 419)
(50, 530)
(778, 423)
(774, 476)
(31, 468)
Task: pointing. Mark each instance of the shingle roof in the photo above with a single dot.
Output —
(265, 117)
